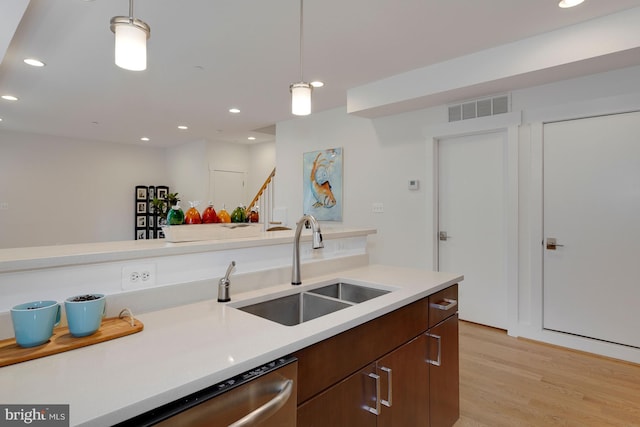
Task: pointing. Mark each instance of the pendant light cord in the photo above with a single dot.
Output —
(131, 10)
(301, 20)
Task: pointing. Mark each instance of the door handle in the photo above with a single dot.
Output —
(443, 236)
(552, 244)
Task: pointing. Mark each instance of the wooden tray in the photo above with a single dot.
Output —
(62, 340)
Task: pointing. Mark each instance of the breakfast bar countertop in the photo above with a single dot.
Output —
(186, 348)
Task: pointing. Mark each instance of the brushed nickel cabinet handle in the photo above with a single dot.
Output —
(436, 362)
(387, 402)
(450, 303)
(375, 410)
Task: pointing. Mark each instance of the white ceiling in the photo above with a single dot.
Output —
(206, 56)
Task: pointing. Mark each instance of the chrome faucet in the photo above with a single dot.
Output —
(317, 244)
(224, 284)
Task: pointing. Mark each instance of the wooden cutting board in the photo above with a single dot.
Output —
(62, 340)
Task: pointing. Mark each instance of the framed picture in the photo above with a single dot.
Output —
(322, 184)
(141, 207)
(162, 192)
(152, 192)
(141, 234)
(141, 192)
(141, 221)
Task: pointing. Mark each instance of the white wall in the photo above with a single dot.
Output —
(189, 173)
(60, 190)
(382, 154)
(190, 165)
(380, 157)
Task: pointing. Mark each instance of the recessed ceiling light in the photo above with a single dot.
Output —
(0, 119)
(9, 97)
(34, 62)
(144, 138)
(234, 110)
(569, 3)
(183, 127)
(317, 83)
(252, 138)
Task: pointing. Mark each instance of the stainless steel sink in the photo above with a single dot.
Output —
(309, 304)
(349, 292)
(295, 309)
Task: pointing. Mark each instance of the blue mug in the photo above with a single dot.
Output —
(85, 313)
(33, 322)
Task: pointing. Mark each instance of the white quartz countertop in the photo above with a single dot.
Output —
(187, 348)
(29, 258)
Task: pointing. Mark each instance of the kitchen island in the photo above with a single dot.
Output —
(186, 348)
(189, 341)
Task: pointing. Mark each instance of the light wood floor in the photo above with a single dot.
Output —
(506, 381)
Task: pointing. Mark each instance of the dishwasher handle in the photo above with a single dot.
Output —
(266, 410)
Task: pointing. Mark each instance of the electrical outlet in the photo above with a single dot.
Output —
(138, 276)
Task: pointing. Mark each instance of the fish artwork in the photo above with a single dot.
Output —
(320, 185)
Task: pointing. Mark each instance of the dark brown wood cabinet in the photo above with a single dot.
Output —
(404, 391)
(393, 391)
(444, 378)
(397, 370)
(444, 372)
(344, 404)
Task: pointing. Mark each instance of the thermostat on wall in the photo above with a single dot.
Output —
(414, 184)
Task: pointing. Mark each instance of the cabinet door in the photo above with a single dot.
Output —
(404, 385)
(444, 392)
(345, 404)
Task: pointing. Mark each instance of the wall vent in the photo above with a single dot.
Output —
(480, 108)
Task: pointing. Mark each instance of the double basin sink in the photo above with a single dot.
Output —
(309, 304)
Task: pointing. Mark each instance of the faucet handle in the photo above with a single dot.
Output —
(226, 276)
(224, 284)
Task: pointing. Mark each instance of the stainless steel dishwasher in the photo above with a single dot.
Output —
(264, 396)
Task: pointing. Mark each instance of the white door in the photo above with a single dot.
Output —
(592, 208)
(472, 197)
(227, 189)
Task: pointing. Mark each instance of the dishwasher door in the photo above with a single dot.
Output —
(265, 397)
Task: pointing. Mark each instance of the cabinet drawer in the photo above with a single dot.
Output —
(325, 363)
(443, 304)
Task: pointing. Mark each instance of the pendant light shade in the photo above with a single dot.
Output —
(301, 91)
(131, 41)
(301, 98)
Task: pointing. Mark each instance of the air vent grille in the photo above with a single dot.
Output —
(479, 108)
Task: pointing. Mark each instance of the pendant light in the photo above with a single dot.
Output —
(131, 41)
(301, 91)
